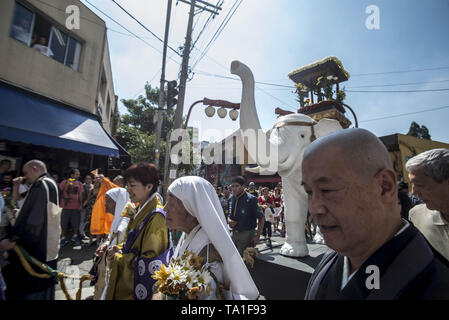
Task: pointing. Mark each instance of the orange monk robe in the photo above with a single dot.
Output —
(101, 221)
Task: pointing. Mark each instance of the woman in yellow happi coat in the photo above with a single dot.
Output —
(146, 244)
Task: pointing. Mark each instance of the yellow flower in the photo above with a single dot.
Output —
(161, 276)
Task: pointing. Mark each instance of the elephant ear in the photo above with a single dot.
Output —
(326, 126)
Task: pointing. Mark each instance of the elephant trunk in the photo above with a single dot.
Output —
(249, 120)
(248, 113)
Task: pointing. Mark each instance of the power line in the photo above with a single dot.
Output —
(237, 79)
(143, 26)
(286, 104)
(396, 91)
(131, 35)
(148, 44)
(406, 114)
(211, 16)
(403, 71)
(219, 30)
(231, 78)
(347, 90)
(398, 84)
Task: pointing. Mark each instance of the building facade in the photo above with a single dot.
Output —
(403, 147)
(57, 99)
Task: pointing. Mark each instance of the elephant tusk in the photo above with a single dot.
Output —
(253, 169)
(260, 170)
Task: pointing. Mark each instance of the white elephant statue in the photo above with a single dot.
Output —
(290, 136)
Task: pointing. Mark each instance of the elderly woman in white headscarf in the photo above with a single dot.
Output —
(116, 200)
(193, 207)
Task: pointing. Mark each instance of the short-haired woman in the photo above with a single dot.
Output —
(146, 245)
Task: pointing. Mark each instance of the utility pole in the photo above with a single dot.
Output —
(184, 69)
(177, 121)
(159, 113)
(167, 161)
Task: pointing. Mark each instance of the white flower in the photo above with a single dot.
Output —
(204, 278)
(192, 278)
(177, 274)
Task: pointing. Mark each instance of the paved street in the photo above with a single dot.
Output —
(76, 260)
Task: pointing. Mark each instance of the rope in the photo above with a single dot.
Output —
(25, 258)
(298, 123)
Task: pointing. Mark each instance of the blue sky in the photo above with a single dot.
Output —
(276, 37)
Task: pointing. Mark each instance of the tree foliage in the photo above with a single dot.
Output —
(137, 129)
(418, 131)
(141, 112)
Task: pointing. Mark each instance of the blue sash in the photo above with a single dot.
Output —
(144, 268)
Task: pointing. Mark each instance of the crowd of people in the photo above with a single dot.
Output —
(271, 203)
(364, 215)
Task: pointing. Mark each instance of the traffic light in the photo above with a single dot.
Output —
(172, 92)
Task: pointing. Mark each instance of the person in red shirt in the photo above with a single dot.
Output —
(72, 197)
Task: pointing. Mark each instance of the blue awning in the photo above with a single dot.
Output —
(30, 118)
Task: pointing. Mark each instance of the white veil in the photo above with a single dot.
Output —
(201, 201)
(121, 198)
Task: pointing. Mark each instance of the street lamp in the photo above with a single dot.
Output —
(210, 110)
(234, 114)
(222, 112)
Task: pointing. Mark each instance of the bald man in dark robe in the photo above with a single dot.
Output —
(36, 234)
(374, 253)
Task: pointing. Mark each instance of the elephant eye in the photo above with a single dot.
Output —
(302, 135)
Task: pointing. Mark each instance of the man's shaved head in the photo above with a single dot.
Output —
(34, 169)
(37, 164)
(361, 150)
(352, 195)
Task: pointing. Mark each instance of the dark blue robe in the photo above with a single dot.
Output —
(408, 266)
(30, 232)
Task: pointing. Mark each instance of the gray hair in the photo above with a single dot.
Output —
(435, 163)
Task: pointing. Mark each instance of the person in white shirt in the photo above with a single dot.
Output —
(429, 175)
(42, 47)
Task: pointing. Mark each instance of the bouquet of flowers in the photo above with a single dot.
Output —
(69, 190)
(184, 278)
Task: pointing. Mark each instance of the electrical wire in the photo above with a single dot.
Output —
(284, 103)
(199, 35)
(403, 71)
(143, 26)
(405, 114)
(396, 91)
(148, 44)
(398, 84)
(219, 31)
(347, 89)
